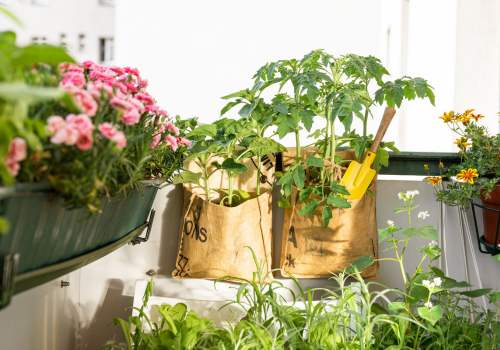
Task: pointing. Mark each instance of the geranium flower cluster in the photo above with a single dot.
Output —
(97, 88)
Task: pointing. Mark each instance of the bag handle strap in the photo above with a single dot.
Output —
(286, 236)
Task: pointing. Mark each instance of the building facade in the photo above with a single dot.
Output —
(85, 27)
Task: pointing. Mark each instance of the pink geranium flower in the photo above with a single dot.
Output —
(110, 132)
(145, 98)
(80, 122)
(172, 141)
(120, 103)
(83, 99)
(151, 108)
(85, 142)
(55, 123)
(183, 142)
(67, 136)
(16, 154)
(131, 117)
(172, 128)
(73, 78)
(74, 130)
(107, 130)
(155, 141)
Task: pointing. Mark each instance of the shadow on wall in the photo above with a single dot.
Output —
(101, 329)
(171, 220)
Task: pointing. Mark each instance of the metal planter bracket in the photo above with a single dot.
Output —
(8, 269)
(485, 247)
(149, 225)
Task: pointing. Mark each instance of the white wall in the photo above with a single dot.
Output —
(204, 50)
(194, 52)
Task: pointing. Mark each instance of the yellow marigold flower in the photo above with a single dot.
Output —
(469, 111)
(433, 180)
(477, 116)
(464, 118)
(462, 143)
(467, 175)
(448, 116)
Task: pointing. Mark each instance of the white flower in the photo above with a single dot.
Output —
(412, 194)
(428, 284)
(438, 281)
(428, 304)
(433, 244)
(408, 195)
(390, 223)
(423, 215)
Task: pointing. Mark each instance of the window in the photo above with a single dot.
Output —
(81, 42)
(106, 49)
(62, 40)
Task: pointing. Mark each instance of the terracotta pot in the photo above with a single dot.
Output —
(491, 217)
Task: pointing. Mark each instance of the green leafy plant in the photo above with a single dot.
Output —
(431, 311)
(223, 146)
(337, 90)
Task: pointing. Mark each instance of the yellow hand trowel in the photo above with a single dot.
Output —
(358, 176)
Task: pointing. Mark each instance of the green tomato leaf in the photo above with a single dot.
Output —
(204, 130)
(299, 176)
(233, 166)
(326, 215)
(187, 177)
(309, 208)
(337, 202)
(304, 194)
(313, 161)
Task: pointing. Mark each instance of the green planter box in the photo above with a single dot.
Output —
(43, 232)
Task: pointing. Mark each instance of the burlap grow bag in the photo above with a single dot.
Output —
(214, 240)
(309, 250)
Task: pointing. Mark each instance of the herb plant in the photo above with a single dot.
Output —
(431, 311)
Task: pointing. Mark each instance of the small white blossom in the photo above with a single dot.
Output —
(408, 195)
(412, 194)
(428, 284)
(390, 223)
(438, 281)
(433, 244)
(428, 304)
(423, 215)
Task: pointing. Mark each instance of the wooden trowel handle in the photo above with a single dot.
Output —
(384, 125)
